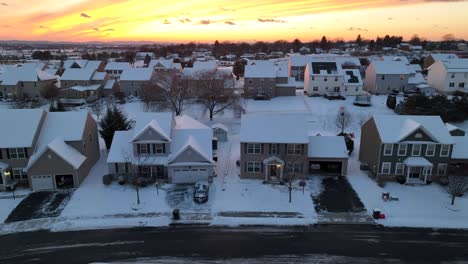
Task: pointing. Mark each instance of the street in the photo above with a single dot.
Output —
(319, 244)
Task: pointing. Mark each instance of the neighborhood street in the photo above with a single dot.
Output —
(329, 244)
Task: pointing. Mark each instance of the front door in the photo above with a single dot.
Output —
(160, 171)
(414, 172)
(273, 171)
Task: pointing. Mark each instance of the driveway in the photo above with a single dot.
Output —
(39, 205)
(180, 196)
(337, 196)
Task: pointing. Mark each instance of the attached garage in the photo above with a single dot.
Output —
(65, 181)
(188, 175)
(327, 167)
(42, 182)
(327, 155)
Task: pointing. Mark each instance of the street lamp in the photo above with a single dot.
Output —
(157, 188)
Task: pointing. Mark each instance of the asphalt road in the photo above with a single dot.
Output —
(182, 244)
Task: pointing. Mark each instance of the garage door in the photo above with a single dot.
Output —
(42, 182)
(189, 175)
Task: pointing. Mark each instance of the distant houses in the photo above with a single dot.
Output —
(449, 76)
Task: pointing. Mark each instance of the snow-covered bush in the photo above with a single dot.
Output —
(107, 179)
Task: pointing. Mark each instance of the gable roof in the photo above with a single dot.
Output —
(162, 120)
(220, 126)
(137, 74)
(260, 69)
(99, 76)
(393, 129)
(190, 143)
(77, 74)
(118, 66)
(23, 124)
(274, 128)
(63, 150)
(392, 67)
(28, 72)
(444, 56)
(153, 125)
(456, 65)
(327, 147)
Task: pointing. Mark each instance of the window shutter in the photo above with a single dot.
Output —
(116, 168)
(1, 153)
(164, 148)
(8, 153)
(245, 148)
(26, 152)
(148, 147)
(126, 167)
(154, 148)
(245, 166)
(138, 148)
(261, 148)
(261, 167)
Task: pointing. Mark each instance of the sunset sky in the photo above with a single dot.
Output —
(209, 20)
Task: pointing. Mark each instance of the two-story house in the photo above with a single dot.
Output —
(449, 76)
(82, 83)
(133, 80)
(274, 145)
(416, 148)
(47, 151)
(115, 69)
(267, 77)
(432, 58)
(162, 146)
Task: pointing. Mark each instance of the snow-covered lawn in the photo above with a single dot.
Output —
(6, 206)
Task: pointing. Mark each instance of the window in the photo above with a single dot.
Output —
(430, 150)
(158, 148)
(386, 166)
(461, 85)
(294, 167)
(441, 169)
(400, 168)
(274, 149)
(336, 79)
(402, 149)
(444, 150)
(383, 77)
(253, 166)
(315, 88)
(294, 149)
(416, 150)
(451, 84)
(313, 78)
(121, 168)
(429, 170)
(452, 76)
(388, 149)
(17, 153)
(19, 174)
(90, 138)
(325, 79)
(143, 149)
(253, 148)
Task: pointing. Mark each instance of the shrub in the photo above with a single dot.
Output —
(122, 180)
(401, 179)
(444, 181)
(107, 179)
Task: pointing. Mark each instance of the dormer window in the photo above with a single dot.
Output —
(143, 149)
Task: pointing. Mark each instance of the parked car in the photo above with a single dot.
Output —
(200, 194)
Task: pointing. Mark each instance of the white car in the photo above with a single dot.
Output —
(200, 194)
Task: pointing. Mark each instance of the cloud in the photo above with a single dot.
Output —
(109, 29)
(167, 22)
(85, 15)
(43, 27)
(230, 23)
(96, 29)
(227, 9)
(270, 20)
(205, 22)
(4, 4)
(357, 29)
(389, 18)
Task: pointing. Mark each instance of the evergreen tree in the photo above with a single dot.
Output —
(114, 120)
(359, 40)
(324, 43)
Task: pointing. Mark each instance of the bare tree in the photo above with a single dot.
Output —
(457, 186)
(175, 91)
(150, 94)
(343, 119)
(97, 108)
(49, 92)
(135, 163)
(213, 93)
(294, 169)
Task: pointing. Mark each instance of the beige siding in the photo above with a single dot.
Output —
(370, 144)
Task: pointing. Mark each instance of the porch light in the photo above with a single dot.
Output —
(7, 173)
(279, 166)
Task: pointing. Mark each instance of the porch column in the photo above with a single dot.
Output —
(407, 174)
(281, 171)
(425, 174)
(266, 172)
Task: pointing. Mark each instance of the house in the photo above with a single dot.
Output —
(47, 151)
(274, 145)
(132, 80)
(267, 77)
(432, 58)
(449, 76)
(115, 69)
(163, 65)
(220, 132)
(142, 55)
(82, 64)
(416, 149)
(455, 131)
(332, 78)
(382, 77)
(202, 71)
(82, 83)
(25, 81)
(161, 146)
(111, 87)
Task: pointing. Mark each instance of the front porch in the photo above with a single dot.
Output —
(417, 170)
(273, 168)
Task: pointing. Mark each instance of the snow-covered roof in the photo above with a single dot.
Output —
(118, 66)
(418, 78)
(154, 125)
(22, 125)
(303, 60)
(164, 63)
(395, 58)
(28, 72)
(444, 56)
(220, 126)
(109, 84)
(69, 63)
(451, 127)
(92, 87)
(348, 78)
(63, 150)
(417, 162)
(460, 149)
(456, 65)
(137, 74)
(274, 128)
(164, 121)
(260, 69)
(393, 129)
(99, 76)
(392, 67)
(327, 147)
(77, 74)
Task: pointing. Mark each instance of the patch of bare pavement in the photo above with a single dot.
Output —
(182, 244)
